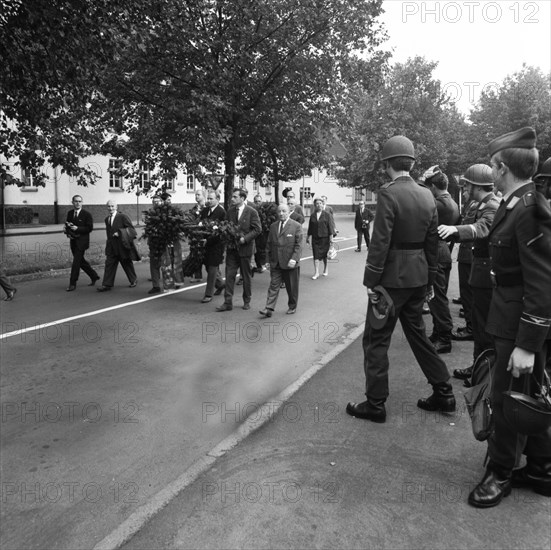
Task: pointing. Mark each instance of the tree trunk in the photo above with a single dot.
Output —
(275, 172)
(229, 166)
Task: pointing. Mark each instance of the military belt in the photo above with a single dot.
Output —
(506, 279)
(407, 246)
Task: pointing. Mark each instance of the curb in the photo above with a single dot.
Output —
(133, 524)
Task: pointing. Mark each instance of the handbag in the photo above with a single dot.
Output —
(477, 398)
(332, 252)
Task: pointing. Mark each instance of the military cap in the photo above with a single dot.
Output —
(545, 171)
(525, 138)
(478, 174)
(379, 312)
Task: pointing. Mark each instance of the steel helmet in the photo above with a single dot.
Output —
(528, 415)
(398, 146)
(478, 174)
(545, 170)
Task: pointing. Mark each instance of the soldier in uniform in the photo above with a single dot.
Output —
(402, 259)
(479, 181)
(543, 180)
(519, 317)
(448, 213)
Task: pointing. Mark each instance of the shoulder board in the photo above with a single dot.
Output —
(387, 185)
(529, 198)
(512, 203)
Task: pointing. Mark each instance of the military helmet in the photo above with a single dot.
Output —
(528, 415)
(478, 174)
(398, 146)
(545, 171)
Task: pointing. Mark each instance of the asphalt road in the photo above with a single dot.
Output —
(107, 398)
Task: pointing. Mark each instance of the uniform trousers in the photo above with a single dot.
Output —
(291, 279)
(482, 298)
(80, 262)
(408, 305)
(439, 305)
(235, 262)
(506, 445)
(465, 291)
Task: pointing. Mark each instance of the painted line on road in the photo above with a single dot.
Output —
(137, 520)
(43, 326)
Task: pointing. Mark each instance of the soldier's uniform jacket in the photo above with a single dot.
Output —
(404, 244)
(475, 235)
(448, 214)
(520, 253)
(465, 253)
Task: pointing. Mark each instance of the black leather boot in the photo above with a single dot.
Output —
(368, 410)
(495, 485)
(442, 346)
(442, 399)
(536, 474)
(463, 374)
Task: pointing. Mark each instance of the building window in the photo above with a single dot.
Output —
(242, 182)
(144, 181)
(268, 190)
(28, 178)
(369, 196)
(190, 183)
(358, 194)
(305, 194)
(115, 179)
(256, 185)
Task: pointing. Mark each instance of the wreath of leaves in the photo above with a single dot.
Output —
(267, 212)
(164, 224)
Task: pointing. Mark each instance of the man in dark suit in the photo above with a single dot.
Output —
(296, 209)
(363, 218)
(238, 255)
(284, 248)
(519, 318)
(448, 214)
(78, 227)
(402, 259)
(214, 248)
(119, 248)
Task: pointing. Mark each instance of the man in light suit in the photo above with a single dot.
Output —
(238, 255)
(78, 227)
(214, 247)
(284, 248)
(119, 248)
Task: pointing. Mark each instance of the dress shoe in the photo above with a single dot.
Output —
(247, 306)
(93, 281)
(442, 399)
(291, 310)
(367, 411)
(103, 288)
(219, 291)
(10, 295)
(206, 299)
(266, 312)
(70, 288)
(463, 374)
(536, 475)
(490, 491)
(132, 285)
(224, 307)
(456, 301)
(154, 290)
(357, 250)
(442, 346)
(316, 276)
(462, 334)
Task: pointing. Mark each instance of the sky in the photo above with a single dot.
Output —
(476, 43)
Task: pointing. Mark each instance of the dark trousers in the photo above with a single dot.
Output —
(214, 279)
(291, 279)
(479, 315)
(439, 305)
(80, 262)
(505, 445)
(236, 262)
(408, 304)
(155, 270)
(111, 264)
(6, 285)
(365, 234)
(465, 291)
(260, 250)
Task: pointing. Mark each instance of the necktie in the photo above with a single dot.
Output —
(281, 228)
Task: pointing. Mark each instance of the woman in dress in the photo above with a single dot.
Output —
(321, 228)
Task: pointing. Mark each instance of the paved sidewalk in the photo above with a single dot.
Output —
(313, 477)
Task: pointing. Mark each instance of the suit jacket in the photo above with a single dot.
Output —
(298, 214)
(285, 246)
(363, 219)
(85, 225)
(214, 248)
(250, 225)
(115, 245)
(404, 244)
(324, 227)
(520, 247)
